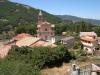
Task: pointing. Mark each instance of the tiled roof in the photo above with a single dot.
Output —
(38, 44)
(4, 50)
(43, 43)
(22, 35)
(87, 33)
(67, 38)
(27, 41)
(87, 38)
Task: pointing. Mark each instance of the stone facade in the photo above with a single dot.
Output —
(68, 41)
(45, 30)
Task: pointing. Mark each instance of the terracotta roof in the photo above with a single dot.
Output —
(43, 43)
(21, 36)
(87, 33)
(27, 41)
(87, 38)
(4, 50)
(38, 44)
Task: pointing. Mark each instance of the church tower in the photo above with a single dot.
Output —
(45, 30)
(40, 17)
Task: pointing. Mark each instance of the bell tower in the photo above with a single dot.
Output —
(45, 30)
(40, 17)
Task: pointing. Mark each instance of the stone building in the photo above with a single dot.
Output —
(45, 30)
(68, 41)
(91, 69)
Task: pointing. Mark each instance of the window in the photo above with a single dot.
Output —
(38, 29)
(45, 29)
(52, 28)
(89, 42)
(94, 37)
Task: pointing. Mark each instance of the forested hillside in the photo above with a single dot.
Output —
(77, 19)
(22, 19)
(14, 14)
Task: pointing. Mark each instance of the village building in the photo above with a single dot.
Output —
(24, 39)
(45, 30)
(31, 41)
(91, 69)
(89, 41)
(98, 43)
(45, 37)
(68, 41)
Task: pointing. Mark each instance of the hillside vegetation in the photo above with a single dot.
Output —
(14, 14)
(77, 19)
(29, 61)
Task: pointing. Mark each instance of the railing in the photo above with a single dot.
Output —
(85, 70)
(97, 53)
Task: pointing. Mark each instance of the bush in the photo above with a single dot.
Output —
(8, 67)
(32, 60)
(30, 29)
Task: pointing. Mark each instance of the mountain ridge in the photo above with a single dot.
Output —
(75, 18)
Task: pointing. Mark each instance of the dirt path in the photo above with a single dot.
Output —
(56, 70)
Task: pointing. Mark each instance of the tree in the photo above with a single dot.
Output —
(30, 29)
(97, 30)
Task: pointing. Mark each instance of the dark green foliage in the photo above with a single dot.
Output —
(17, 15)
(9, 67)
(30, 29)
(76, 27)
(97, 30)
(83, 27)
(29, 61)
(14, 14)
(77, 19)
(59, 28)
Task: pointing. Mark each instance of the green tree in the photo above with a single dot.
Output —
(30, 29)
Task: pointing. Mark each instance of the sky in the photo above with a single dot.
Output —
(80, 8)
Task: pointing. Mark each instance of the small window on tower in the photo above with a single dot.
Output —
(52, 28)
(38, 28)
(45, 29)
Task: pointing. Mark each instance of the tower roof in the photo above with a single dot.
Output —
(40, 13)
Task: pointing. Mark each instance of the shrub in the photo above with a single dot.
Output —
(32, 60)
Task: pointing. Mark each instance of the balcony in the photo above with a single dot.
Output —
(87, 44)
